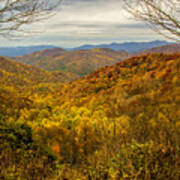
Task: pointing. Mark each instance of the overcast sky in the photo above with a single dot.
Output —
(86, 22)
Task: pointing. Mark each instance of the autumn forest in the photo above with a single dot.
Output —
(89, 90)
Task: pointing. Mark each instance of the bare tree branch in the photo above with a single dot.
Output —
(16, 13)
(163, 16)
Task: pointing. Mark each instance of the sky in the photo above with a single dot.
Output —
(79, 22)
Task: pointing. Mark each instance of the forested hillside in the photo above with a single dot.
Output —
(22, 77)
(78, 62)
(119, 122)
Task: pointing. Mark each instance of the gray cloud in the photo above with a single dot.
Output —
(86, 21)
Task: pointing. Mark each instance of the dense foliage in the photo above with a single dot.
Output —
(22, 157)
(119, 122)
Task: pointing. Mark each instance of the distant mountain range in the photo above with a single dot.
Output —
(130, 47)
(20, 51)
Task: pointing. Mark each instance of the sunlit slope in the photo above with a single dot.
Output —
(135, 76)
(146, 86)
(145, 89)
(24, 76)
(18, 81)
(118, 112)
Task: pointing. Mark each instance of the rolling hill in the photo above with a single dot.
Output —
(78, 62)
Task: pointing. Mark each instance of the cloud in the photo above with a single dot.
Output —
(87, 21)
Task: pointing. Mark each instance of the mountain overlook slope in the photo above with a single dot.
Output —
(122, 111)
(119, 122)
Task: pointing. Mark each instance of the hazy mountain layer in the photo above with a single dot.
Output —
(130, 47)
(20, 51)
